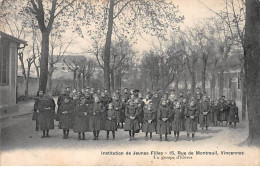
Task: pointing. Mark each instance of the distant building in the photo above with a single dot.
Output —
(9, 47)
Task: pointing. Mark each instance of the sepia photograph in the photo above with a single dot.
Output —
(130, 82)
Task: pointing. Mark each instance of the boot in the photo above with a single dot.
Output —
(47, 133)
(193, 139)
(188, 137)
(83, 136)
(107, 135)
(114, 135)
(95, 136)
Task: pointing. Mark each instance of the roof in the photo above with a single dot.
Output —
(20, 41)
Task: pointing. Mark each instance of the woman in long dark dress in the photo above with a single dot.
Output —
(178, 121)
(45, 116)
(81, 118)
(191, 115)
(66, 110)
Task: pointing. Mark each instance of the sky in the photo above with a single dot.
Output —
(193, 11)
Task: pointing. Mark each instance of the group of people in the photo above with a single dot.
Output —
(92, 111)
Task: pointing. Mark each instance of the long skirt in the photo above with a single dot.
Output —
(205, 120)
(148, 127)
(163, 127)
(111, 125)
(223, 116)
(232, 117)
(178, 125)
(191, 125)
(45, 120)
(215, 116)
(122, 116)
(131, 125)
(95, 123)
(81, 124)
(65, 121)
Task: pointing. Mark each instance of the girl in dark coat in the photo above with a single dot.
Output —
(111, 121)
(191, 115)
(215, 113)
(149, 121)
(66, 110)
(131, 121)
(233, 114)
(178, 120)
(96, 118)
(81, 118)
(45, 116)
(163, 120)
(35, 109)
(117, 107)
(204, 108)
(122, 112)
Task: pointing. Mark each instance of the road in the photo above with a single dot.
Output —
(18, 136)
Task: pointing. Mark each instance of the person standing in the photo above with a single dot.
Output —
(204, 108)
(96, 118)
(111, 121)
(178, 121)
(149, 121)
(46, 112)
(131, 121)
(163, 120)
(81, 118)
(233, 114)
(65, 116)
(191, 115)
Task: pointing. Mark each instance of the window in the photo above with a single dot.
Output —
(4, 61)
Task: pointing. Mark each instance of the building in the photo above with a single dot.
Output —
(9, 48)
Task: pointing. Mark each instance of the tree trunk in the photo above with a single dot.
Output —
(243, 92)
(221, 82)
(107, 46)
(44, 62)
(203, 75)
(51, 70)
(112, 80)
(193, 82)
(213, 86)
(252, 69)
(117, 80)
(26, 92)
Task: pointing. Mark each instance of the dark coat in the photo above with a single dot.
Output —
(164, 127)
(117, 107)
(82, 120)
(191, 124)
(204, 119)
(223, 110)
(111, 123)
(65, 120)
(215, 113)
(132, 124)
(45, 116)
(149, 115)
(140, 108)
(178, 119)
(97, 117)
(233, 114)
